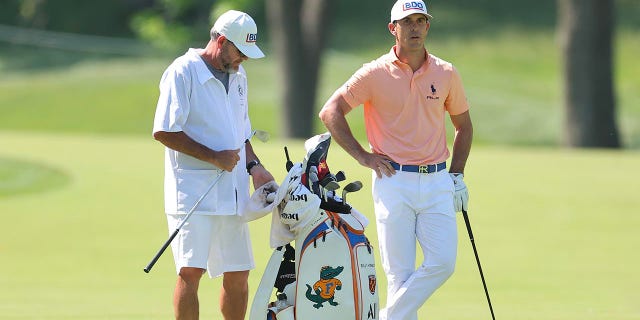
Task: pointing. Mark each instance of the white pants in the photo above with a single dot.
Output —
(409, 207)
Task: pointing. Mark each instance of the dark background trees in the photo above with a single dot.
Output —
(586, 32)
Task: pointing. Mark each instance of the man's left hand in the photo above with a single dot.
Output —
(461, 194)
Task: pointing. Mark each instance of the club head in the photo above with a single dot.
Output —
(340, 176)
(261, 135)
(328, 178)
(353, 186)
(331, 186)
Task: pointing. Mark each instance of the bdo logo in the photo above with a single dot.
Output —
(413, 5)
(252, 37)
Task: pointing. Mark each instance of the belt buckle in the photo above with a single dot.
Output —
(423, 169)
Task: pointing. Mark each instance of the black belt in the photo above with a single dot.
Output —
(430, 168)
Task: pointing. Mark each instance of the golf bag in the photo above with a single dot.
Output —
(331, 272)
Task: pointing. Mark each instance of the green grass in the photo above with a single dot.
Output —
(555, 230)
(17, 176)
(81, 177)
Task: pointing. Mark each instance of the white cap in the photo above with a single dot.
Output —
(403, 8)
(239, 28)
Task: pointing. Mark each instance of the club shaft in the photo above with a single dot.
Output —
(475, 252)
(173, 235)
(161, 251)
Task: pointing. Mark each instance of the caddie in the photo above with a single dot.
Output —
(202, 118)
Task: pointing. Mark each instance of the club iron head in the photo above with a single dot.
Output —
(351, 187)
(328, 178)
(261, 135)
(331, 186)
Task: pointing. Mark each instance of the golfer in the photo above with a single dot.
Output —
(406, 94)
(202, 119)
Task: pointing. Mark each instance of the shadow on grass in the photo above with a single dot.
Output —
(21, 177)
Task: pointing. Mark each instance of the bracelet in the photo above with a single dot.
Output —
(252, 164)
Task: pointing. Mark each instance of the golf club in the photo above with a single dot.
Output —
(327, 178)
(329, 185)
(313, 180)
(262, 136)
(289, 163)
(175, 233)
(475, 251)
(351, 187)
(332, 186)
(340, 176)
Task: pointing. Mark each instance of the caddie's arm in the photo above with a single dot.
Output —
(333, 116)
(181, 142)
(259, 174)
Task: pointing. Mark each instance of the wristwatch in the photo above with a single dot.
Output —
(252, 164)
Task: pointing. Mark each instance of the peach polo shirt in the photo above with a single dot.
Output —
(404, 111)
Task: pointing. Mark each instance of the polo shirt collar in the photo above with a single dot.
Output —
(391, 57)
(202, 71)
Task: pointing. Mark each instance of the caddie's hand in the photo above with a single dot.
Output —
(226, 159)
(461, 194)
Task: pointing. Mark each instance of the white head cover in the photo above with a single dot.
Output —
(403, 8)
(239, 28)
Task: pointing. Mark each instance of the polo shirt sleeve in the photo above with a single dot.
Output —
(456, 102)
(173, 103)
(356, 90)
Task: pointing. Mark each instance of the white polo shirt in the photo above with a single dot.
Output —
(192, 100)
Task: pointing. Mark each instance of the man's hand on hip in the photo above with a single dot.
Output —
(461, 194)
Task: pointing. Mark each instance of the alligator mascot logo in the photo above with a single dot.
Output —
(326, 287)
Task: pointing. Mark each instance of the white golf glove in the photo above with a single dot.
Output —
(460, 195)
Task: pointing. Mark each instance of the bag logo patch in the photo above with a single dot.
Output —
(325, 288)
(413, 5)
(372, 283)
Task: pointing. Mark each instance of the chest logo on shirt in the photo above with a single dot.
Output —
(433, 95)
(240, 91)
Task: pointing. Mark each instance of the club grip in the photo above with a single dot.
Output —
(289, 163)
(161, 251)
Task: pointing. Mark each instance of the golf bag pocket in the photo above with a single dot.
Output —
(363, 264)
(276, 313)
(193, 184)
(325, 284)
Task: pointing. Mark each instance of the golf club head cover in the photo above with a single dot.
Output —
(317, 149)
(460, 194)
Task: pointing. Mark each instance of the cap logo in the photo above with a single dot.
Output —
(252, 37)
(411, 5)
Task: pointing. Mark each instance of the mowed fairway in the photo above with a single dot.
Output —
(556, 231)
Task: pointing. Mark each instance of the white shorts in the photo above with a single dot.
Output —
(216, 243)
